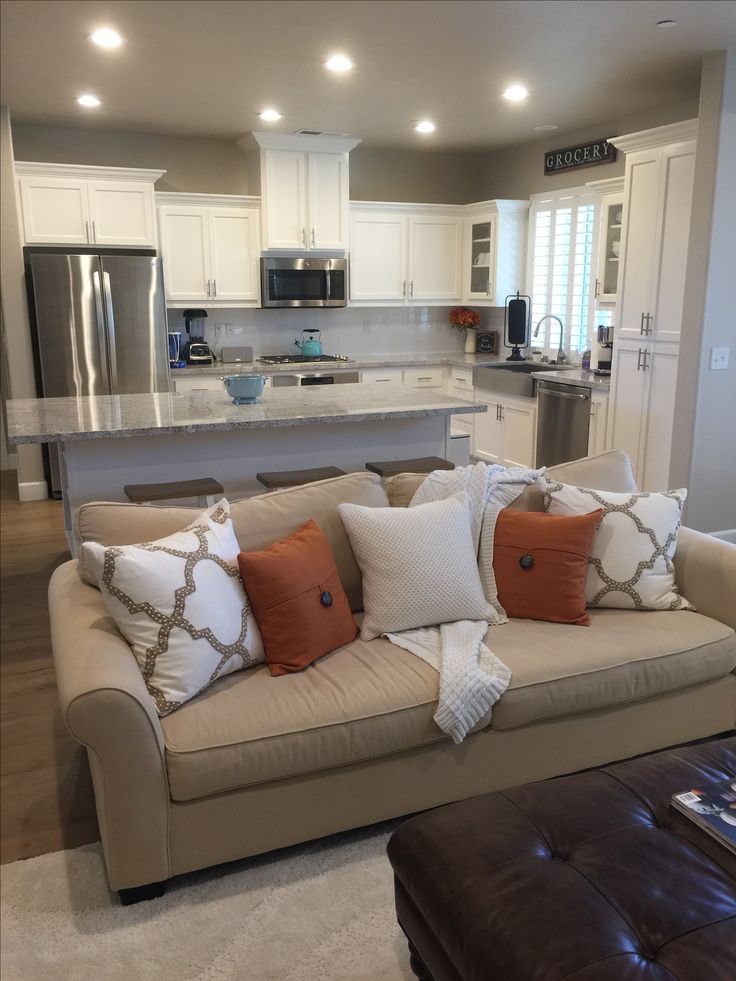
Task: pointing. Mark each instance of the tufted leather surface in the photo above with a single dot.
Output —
(591, 877)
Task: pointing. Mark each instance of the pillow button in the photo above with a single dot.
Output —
(526, 561)
(326, 598)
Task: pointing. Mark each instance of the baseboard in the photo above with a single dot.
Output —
(10, 462)
(33, 490)
(726, 536)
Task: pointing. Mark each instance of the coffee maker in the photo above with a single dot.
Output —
(196, 350)
(604, 351)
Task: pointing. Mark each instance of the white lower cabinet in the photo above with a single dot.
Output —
(506, 433)
(423, 377)
(597, 430)
(370, 376)
(460, 386)
(641, 412)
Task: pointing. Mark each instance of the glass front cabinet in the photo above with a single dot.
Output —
(609, 239)
(481, 239)
(493, 255)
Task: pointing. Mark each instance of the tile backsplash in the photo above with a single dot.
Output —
(352, 330)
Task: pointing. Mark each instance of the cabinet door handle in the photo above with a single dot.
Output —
(304, 237)
(403, 288)
(638, 361)
(648, 328)
(214, 287)
(86, 231)
(645, 364)
(94, 231)
(208, 288)
(501, 408)
(411, 288)
(313, 242)
(641, 324)
(597, 288)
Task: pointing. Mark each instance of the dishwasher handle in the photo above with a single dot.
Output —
(563, 395)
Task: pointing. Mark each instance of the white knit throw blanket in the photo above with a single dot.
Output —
(472, 678)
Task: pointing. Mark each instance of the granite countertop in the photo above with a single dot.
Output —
(454, 359)
(577, 376)
(104, 416)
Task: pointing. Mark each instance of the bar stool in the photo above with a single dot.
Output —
(205, 489)
(422, 464)
(278, 479)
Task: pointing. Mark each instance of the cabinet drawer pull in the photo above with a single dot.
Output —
(425, 378)
(638, 361)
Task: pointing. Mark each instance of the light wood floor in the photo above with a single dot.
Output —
(46, 800)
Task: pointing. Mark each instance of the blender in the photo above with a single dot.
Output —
(196, 350)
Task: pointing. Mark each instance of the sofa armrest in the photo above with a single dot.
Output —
(106, 706)
(705, 573)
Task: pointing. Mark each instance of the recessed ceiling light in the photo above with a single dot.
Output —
(106, 38)
(425, 126)
(270, 116)
(546, 127)
(666, 23)
(515, 93)
(338, 63)
(89, 101)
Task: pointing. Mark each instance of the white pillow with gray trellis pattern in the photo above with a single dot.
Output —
(630, 565)
(180, 604)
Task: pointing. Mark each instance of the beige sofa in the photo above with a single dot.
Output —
(257, 762)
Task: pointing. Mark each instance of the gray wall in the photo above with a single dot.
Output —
(518, 171)
(414, 175)
(704, 443)
(206, 165)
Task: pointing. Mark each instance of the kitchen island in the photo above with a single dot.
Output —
(111, 440)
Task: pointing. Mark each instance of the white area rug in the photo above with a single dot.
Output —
(316, 912)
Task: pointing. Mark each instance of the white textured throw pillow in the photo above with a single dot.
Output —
(180, 604)
(419, 565)
(630, 566)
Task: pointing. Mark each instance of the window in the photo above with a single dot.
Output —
(562, 233)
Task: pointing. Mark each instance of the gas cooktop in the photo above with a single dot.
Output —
(301, 358)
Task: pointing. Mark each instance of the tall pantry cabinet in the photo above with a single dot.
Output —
(658, 189)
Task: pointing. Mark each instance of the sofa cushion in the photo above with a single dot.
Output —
(372, 699)
(609, 471)
(365, 700)
(258, 521)
(623, 656)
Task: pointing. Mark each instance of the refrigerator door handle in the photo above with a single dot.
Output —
(110, 315)
(100, 315)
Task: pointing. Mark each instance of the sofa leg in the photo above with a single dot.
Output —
(417, 964)
(140, 894)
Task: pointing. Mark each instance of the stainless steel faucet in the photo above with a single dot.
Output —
(561, 356)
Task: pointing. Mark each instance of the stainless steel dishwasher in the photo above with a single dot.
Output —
(563, 422)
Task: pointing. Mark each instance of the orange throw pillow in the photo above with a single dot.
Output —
(540, 564)
(297, 599)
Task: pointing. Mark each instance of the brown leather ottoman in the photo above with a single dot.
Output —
(591, 877)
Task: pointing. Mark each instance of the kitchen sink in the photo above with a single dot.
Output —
(512, 377)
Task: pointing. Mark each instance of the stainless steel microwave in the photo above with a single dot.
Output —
(304, 281)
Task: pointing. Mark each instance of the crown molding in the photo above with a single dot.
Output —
(610, 185)
(27, 168)
(206, 200)
(499, 205)
(298, 141)
(405, 207)
(659, 136)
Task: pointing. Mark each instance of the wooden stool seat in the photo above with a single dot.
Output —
(423, 464)
(203, 488)
(277, 479)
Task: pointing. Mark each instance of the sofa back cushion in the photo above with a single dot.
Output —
(258, 521)
(610, 471)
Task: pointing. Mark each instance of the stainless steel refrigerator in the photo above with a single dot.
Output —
(100, 326)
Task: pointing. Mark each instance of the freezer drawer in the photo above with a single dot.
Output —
(563, 423)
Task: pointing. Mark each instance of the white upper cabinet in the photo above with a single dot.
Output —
(660, 166)
(327, 186)
(609, 239)
(64, 204)
(378, 251)
(304, 190)
(284, 188)
(435, 257)
(404, 254)
(494, 252)
(210, 249)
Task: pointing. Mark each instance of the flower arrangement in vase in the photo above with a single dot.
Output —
(467, 320)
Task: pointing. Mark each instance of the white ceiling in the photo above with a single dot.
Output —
(207, 68)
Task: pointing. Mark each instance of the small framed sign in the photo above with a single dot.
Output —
(583, 155)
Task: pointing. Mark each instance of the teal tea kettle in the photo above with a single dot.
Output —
(311, 346)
